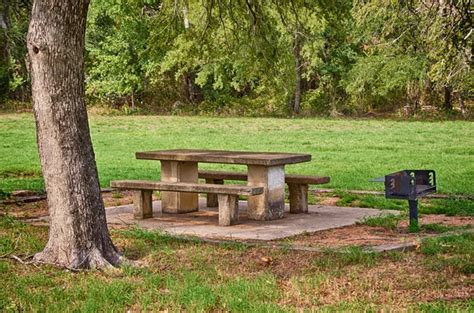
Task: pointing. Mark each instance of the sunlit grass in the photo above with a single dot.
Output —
(350, 151)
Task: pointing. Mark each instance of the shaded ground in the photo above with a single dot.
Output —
(179, 275)
(186, 275)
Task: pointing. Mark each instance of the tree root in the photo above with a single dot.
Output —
(93, 259)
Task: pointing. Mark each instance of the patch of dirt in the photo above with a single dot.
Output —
(363, 235)
(40, 208)
(329, 201)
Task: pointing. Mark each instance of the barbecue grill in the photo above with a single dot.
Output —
(409, 185)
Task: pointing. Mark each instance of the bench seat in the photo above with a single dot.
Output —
(228, 196)
(297, 186)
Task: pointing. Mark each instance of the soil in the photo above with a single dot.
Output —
(367, 236)
(31, 210)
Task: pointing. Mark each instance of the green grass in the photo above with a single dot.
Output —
(389, 221)
(335, 260)
(185, 275)
(453, 252)
(441, 228)
(450, 207)
(350, 151)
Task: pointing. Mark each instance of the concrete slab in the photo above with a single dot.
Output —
(204, 223)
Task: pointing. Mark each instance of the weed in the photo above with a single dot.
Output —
(8, 221)
(441, 228)
(414, 226)
(117, 195)
(350, 256)
(380, 202)
(395, 255)
(388, 221)
(347, 200)
(4, 194)
(444, 306)
(234, 245)
(157, 237)
(312, 199)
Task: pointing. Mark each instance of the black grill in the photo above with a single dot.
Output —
(409, 185)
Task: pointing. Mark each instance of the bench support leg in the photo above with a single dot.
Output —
(179, 202)
(271, 204)
(142, 204)
(212, 201)
(228, 209)
(298, 198)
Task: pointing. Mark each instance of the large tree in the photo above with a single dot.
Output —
(78, 235)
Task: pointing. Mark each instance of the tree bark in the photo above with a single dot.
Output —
(192, 91)
(448, 102)
(78, 234)
(461, 104)
(4, 54)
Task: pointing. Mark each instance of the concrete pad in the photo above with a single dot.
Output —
(204, 223)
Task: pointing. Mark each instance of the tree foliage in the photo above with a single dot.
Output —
(272, 57)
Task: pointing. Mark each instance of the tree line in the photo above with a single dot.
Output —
(266, 57)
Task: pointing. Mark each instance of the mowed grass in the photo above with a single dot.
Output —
(184, 275)
(349, 151)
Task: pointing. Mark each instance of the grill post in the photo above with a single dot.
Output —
(413, 207)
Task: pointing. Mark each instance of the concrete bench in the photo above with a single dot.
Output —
(227, 196)
(297, 186)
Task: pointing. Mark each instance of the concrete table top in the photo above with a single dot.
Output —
(229, 157)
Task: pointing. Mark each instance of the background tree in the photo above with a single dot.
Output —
(14, 19)
(414, 53)
(4, 55)
(267, 57)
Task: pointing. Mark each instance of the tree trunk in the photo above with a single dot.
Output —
(448, 102)
(461, 104)
(4, 55)
(78, 234)
(192, 91)
(298, 74)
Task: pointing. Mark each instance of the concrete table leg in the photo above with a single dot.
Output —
(142, 204)
(228, 210)
(271, 204)
(212, 197)
(179, 202)
(298, 198)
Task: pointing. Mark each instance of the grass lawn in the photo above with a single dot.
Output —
(178, 275)
(187, 275)
(350, 151)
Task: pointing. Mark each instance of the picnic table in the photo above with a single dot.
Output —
(264, 169)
